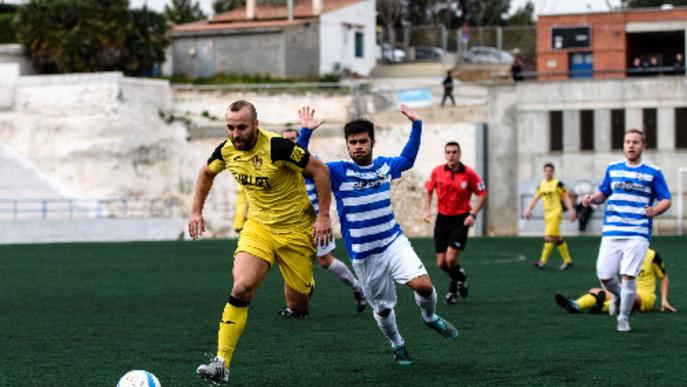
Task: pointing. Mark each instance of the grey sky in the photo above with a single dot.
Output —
(541, 7)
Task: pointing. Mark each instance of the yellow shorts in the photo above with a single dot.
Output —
(293, 250)
(648, 299)
(553, 225)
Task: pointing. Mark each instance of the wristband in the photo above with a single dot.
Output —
(474, 216)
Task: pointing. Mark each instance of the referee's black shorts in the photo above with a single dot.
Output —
(449, 230)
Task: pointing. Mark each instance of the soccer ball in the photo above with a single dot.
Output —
(138, 378)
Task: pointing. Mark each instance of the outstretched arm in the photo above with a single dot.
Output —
(409, 152)
(308, 124)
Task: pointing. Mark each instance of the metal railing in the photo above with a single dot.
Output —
(20, 209)
(630, 72)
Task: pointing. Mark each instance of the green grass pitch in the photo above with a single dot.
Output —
(84, 314)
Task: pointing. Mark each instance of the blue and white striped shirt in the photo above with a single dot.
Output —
(304, 141)
(363, 198)
(629, 190)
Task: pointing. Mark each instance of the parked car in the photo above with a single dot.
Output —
(428, 52)
(390, 54)
(480, 54)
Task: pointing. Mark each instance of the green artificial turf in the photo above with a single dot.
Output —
(85, 314)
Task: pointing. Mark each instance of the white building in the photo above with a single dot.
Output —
(308, 39)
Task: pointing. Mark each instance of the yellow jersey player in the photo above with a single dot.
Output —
(279, 226)
(597, 300)
(552, 192)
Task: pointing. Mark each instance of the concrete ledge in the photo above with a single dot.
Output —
(90, 230)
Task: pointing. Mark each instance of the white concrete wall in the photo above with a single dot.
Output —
(101, 135)
(90, 230)
(14, 54)
(337, 38)
(9, 76)
(523, 110)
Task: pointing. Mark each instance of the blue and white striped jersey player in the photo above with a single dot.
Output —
(636, 193)
(375, 243)
(325, 257)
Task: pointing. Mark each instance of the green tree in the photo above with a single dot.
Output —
(522, 16)
(220, 6)
(184, 11)
(73, 36)
(453, 13)
(8, 32)
(146, 42)
(63, 36)
(654, 3)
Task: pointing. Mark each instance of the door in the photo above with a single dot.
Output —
(581, 65)
(206, 58)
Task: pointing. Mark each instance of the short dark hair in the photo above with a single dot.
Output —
(452, 143)
(287, 130)
(359, 126)
(639, 132)
(240, 104)
(549, 165)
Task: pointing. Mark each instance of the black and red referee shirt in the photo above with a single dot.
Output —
(454, 188)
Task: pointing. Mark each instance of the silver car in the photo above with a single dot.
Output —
(481, 54)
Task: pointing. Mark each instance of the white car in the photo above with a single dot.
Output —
(390, 54)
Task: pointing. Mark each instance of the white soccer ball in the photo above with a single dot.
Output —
(138, 378)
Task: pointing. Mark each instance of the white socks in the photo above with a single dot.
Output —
(427, 305)
(612, 286)
(388, 326)
(341, 270)
(628, 291)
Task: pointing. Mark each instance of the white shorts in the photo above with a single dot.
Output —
(324, 250)
(620, 255)
(378, 272)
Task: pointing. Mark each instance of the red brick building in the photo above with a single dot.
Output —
(611, 44)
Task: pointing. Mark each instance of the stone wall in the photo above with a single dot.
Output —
(100, 135)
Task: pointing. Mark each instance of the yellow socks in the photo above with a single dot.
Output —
(586, 301)
(546, 252)
(231, 327)
(563, 251)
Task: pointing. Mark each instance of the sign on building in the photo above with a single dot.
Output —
(571, 37)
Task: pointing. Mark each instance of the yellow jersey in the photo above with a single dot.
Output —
(551, 192)
(652, 270)
(270, 174)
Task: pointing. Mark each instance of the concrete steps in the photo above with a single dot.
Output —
(411, 70)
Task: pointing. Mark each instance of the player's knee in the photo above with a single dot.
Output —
(422, 285)
(325, 261)
(243, 291)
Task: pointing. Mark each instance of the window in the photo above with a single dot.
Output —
(617, 128)
(649, 127)
(359, 44)
(587, 130)
(556, 130)
(681, 128)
